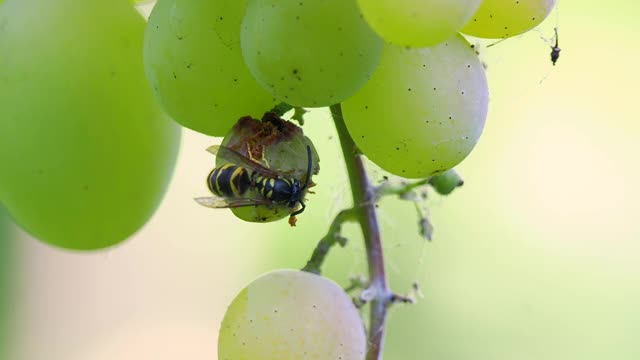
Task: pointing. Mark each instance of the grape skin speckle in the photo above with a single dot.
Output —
(425, 121)
(301, 298)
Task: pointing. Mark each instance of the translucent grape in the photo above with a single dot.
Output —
(281, 147)
(309, 53)
(417, 23)
(86, 152)
(291, 315)
(423, 110)
(502, 19)
(194, 64)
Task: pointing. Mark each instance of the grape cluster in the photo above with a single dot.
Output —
(414, 97)
(87, 152)
(414, 93)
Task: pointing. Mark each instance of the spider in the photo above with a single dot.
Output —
(555, 50)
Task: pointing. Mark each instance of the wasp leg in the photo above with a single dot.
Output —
(301, 209)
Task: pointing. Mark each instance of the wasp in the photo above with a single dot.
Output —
(245, 182)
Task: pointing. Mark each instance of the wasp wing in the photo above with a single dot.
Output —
(213, 149)
(236, 158)
(223, 203)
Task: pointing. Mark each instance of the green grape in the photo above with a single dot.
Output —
(291, 315)
(445, 183)
(194, 64)
(417, 23)
(86, 152)
(283, 146)
(276, 146)
(309, 53)
(423, 110)
(502, 19)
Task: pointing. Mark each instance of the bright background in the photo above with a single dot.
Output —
(536, 257)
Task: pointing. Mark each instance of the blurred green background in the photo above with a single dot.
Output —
(536, 257)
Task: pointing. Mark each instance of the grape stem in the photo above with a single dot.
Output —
(405, 191)
(332, 237)
(283, 108)
(401, 190)
(364, 197)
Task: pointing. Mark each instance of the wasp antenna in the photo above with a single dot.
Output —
(309, 165)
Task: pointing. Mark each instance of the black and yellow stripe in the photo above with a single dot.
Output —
(229, 181)
(274, 189)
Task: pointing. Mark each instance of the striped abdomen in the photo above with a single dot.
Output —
(229, 180)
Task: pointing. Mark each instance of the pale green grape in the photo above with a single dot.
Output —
(423, 109)
(309, 53)
(417, 23)
(283, 151)
(291, 315)
(446, 182)
(194, 64)
(86, 152)
(505, 18)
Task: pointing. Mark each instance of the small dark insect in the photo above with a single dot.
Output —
(231, 183)
(555, 50)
